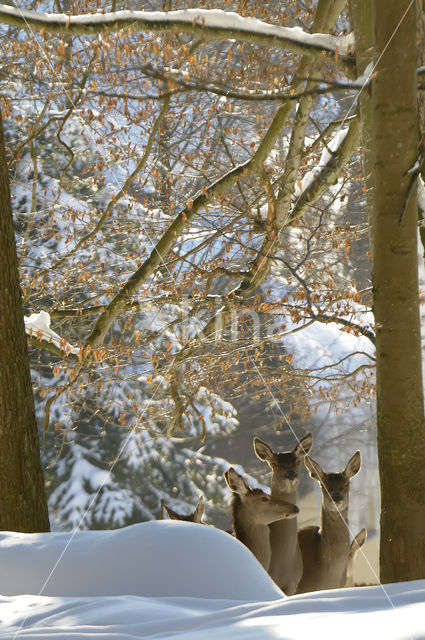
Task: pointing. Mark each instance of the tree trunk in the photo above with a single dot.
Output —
(420, 30)
(401, 428)
(361, 15)
(23, 505)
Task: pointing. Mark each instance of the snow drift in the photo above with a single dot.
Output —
(179, 581)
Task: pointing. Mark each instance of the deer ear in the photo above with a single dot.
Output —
(353, 465)
(314, 468)
(262, 450)
(170, 513)
(199, 510)
(304, 446)
(235, 482)
(359, 539)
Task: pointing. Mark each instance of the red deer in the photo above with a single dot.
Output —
(325, 550)
(286, 561)
(252, 511)
(357, 542)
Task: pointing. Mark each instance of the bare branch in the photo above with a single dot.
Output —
(50, 346)
(162, 248)
(184, 83)
(325, 18)
(122, 191)
(364, 331)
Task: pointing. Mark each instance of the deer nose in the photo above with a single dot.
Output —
(291, 474)
(337, 496)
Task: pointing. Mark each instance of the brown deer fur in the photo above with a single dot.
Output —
(252, 511)
(325, 550)
(286, 560)
(357, 542)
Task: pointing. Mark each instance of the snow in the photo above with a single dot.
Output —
(325, 158)
(38, 324)
(365, 79)
(179, 580)
(129, 560)
(322, 345)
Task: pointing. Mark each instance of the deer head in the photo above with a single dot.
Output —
(261, 506)
(285, 466)
(335, 486)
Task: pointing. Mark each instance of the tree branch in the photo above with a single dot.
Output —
(209, 24)
(329, 173)
(325, 17)
(50, 346)
(163, 246)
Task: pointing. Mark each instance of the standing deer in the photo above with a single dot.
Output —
(357, 542)
(252, 511)
(196, 516)
(325, 551)
(286, 561)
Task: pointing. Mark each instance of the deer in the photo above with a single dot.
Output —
(286, 561)
(252, 511)
(196, 516)
(357, 542)
(325, 550)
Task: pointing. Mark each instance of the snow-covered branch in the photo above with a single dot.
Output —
(211, 24)
(335, 156)
(37, 327)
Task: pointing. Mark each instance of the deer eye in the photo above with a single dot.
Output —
(264, 499)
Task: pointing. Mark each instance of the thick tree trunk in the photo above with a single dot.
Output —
(401, 429)
(23, 505)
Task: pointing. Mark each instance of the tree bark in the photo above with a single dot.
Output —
(400, 414)
(361, 15)
(23, 505)
(420, 29)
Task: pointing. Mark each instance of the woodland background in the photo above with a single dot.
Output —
(192, 214)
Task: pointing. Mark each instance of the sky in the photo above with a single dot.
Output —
(178, 580)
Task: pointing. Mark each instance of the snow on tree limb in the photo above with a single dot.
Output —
(328, 169)
(37, 327)
(212, 24)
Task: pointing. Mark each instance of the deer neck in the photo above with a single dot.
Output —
(287, 525)
(289, 496)
(335, 535)
(286, 561)
(254, 536)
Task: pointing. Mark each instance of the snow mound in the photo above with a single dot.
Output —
(179, 581)
(156, 558)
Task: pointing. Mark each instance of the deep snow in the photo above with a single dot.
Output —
(178, 580)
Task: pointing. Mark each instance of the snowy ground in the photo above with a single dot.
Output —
(178, 580)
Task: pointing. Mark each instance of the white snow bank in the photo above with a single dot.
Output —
(156, 558)
(179, 581)
(367, 613)
(38, 324)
